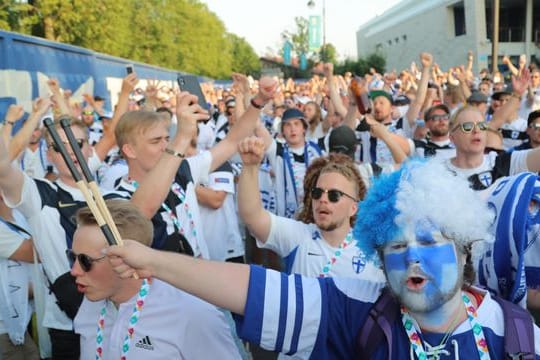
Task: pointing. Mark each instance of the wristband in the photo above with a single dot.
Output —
(174, 153)
(10, 122)
(255, 105)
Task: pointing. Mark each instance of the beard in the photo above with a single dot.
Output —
(329, 227)
(439, 131)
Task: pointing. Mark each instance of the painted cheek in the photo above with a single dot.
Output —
(435, 259)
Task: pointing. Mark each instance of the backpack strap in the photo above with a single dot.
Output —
(378, 325)
(518, 331)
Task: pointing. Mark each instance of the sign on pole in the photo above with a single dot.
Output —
(314, 32)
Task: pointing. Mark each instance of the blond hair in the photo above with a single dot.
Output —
(136, 122)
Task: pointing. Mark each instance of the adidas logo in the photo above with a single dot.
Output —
(145, 343)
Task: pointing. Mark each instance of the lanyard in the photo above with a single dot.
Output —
(416, 340)
(180, 193)
(134, 318)
(326, 268)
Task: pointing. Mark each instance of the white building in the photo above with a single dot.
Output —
(449, 28)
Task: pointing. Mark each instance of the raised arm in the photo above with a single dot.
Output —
(245, 125)
(21, 140)
(220, 283)
(155, 186)
(58, 98)
(14, 114)
(504, 114)
(11, 177)
(426, 60)
(250, 207)
(108, 140)
(511, 67)
(333, 89)
(395, 143)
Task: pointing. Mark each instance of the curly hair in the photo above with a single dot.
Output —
(338, 163)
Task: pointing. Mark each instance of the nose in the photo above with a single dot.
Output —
(412, 255)
(76, 270)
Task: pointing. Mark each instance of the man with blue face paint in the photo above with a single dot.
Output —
(424, 226)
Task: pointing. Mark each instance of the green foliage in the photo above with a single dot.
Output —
(300, 37)
(177, 34)
(362, 65)
(244, 59)
(328, 53)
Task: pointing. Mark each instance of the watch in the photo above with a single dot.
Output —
(174, 153)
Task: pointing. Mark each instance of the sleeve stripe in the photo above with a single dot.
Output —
(299, 313)
(283, 312)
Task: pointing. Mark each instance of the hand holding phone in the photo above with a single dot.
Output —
(190, 84)
(129, 68)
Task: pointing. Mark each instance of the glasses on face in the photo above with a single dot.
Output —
(84, 260)
(439, 117)
(88, 113)
(535, 126)
(80, 142)
(333, 194)
(469, 126)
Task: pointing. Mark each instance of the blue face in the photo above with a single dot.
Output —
(422, 268)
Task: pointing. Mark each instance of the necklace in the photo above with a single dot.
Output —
(134, 318)
(326, 268)
(417, 342)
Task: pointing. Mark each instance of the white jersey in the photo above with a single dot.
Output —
(172, 325)
(35, 163)
(222, 234)
(306, 252)
(514, 133)
(49, 209)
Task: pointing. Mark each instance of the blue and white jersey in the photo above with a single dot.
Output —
(306, 252)
(320, 319)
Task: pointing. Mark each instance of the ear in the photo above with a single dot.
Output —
(128, 151)
(354, 209)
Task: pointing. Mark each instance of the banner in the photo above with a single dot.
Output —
(314, 32)
(287, 47)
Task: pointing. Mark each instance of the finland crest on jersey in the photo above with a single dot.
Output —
(485, 178)
(358, 264)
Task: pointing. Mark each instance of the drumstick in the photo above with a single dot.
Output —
(100, 219)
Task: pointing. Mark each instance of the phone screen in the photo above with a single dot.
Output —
(190, 84)
(129, 69)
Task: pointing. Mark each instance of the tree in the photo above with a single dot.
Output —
(244, 58)
(299, 38)
(328, 53)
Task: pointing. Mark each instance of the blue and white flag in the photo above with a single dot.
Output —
(502, 267)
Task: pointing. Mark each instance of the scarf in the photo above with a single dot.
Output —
(502, 267)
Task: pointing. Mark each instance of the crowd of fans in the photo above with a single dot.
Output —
(274, 172)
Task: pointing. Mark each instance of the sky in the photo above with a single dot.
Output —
(262, 22)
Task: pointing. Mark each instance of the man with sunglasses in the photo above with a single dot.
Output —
(49, 208)
(437, 144)
(533, 132)
(322, 244)
(468, 132)
(138, 318)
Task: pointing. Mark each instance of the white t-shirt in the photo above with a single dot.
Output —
(306, 252)
(517, 126)
(222, 233)
(172, 325)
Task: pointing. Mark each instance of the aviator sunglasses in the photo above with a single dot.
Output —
(469, 126)
(85, 261)
(333, 194)
(80, 142)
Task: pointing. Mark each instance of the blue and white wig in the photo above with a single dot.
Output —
(426, 195)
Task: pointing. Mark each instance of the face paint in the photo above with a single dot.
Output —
(422, 268)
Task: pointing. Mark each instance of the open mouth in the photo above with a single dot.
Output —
(416, 282)
(81, 288)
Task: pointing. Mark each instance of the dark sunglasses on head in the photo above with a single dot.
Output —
(84, 260)
(439, 117)
(333, 194)
(80, 142)
(469, 126)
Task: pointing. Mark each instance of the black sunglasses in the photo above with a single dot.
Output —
(444, 117)
(333, 194)
(84, 260)
(55, 147)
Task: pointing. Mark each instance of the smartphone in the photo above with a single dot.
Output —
(190, 84)
(129, 68)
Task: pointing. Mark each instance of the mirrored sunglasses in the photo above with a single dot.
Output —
(469, 126)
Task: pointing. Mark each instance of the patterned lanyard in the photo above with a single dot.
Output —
(326, 268)
(416, 341)
(180, 193)
(143, 292)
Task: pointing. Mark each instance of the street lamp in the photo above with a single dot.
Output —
(311, 5)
